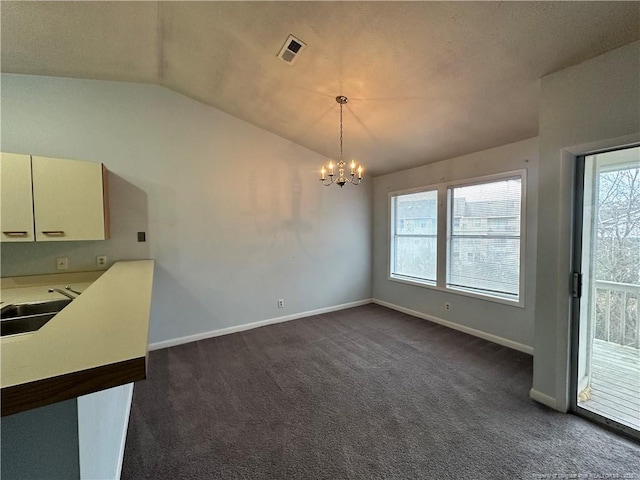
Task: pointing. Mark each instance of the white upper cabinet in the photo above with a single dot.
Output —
(16, 203)
(69, 200)
(53, 199)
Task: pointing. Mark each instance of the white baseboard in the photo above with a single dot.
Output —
(249, 326)
(543, 398)
(471, 331)
(125, 428)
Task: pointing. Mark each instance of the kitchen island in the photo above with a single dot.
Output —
(98, 341)
(67, 387)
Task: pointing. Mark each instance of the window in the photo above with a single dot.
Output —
(487, 239)
(483, 245)
(414, 236)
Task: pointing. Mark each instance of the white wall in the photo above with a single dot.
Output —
(509, 325)
(235, 216)
(103, 420)
(590, 106)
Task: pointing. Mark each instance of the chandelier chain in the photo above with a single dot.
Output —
(341, 132)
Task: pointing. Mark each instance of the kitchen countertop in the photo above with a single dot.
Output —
(97, 341)
(36, 288)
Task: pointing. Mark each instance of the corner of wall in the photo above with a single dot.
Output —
(543, 399)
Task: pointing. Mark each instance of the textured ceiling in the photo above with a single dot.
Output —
(426, 80)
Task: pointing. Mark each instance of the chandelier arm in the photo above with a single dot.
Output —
(331, 181)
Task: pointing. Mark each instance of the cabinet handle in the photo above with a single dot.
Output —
(54, 233)
(15, 234)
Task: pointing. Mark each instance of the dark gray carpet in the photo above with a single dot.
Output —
(364, 393)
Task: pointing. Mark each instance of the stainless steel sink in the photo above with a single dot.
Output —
(28, 317)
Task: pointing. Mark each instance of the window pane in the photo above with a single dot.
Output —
(484, 243)
(414, 235)
(416, 257)
(488, 208)
(417, 213)
(488, 265)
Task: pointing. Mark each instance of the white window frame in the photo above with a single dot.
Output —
(443, 236)
(392, 238)
(522, 175)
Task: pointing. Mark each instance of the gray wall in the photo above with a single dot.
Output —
(235, 216)
(508, 324)
(590, 106)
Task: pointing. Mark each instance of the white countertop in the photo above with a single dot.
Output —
(108, 323)
(36, 288)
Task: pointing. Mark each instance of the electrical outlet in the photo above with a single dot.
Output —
(62, 263)
(281, 303)
(101, 260)
(447, 306)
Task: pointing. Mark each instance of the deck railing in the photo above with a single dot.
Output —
(617, 313)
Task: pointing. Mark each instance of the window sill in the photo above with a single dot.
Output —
(433, 286)
(412, 281)
(484, 296)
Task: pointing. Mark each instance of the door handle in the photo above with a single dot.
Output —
(15, 233)
(54, 233)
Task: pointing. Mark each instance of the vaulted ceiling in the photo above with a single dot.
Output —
(425, 80)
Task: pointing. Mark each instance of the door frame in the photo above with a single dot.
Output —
(576, 268)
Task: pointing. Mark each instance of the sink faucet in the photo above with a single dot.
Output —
(72, 290)
(62, 292)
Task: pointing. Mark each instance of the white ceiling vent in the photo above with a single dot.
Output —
(291, 49)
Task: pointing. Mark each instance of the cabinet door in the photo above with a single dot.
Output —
(16, 204)
(69, 199)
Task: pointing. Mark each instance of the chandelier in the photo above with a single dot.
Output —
(329, 170)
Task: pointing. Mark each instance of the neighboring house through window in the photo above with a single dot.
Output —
(414, 238)
(481, 235)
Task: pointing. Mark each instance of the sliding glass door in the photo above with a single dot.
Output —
(606, 289)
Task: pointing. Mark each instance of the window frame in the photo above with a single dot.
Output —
(392, 236)
(445, 212)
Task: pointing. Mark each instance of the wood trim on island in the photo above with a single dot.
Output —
(19, 398)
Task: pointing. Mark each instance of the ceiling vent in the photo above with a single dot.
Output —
(291, 49)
